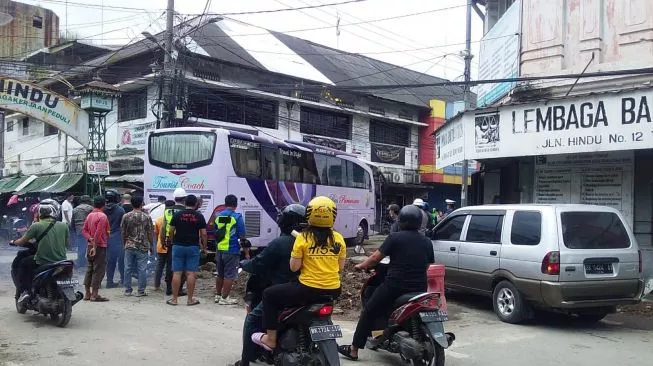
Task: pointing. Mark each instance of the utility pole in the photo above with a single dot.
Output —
(467, 93)
(168, 69)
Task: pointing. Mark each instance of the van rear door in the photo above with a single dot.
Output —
(596, 245)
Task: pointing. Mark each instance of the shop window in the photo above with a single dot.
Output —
(233, 108)
(389, 133)
(25, 126)
(49, 130)
(10, 126)
(132, 105)
(325, 123)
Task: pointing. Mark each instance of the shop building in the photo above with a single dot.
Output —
(574, 140)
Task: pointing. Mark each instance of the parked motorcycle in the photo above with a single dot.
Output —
(415, 329)
(53, 291)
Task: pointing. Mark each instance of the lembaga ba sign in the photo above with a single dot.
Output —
(42, 104)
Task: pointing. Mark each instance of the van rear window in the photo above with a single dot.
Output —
(593, 230)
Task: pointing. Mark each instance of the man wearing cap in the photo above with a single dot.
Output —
(449, 208)
(79, 216)
(179, 195)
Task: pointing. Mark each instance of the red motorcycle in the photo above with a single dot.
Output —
(415, 329)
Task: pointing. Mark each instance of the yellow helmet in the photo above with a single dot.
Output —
(321, 212)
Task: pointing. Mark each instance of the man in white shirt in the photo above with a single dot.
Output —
(67, 214)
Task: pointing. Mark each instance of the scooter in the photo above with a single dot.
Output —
(52, 291)
(415, 329)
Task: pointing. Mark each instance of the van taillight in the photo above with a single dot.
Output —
(325, 310)
(551, 263)
(639, 261)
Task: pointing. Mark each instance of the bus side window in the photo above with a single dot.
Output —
(246, 158)
(355, 175)
(309, 167)
(337, 171)
(291, 170)
(269, 163)
(321, 162)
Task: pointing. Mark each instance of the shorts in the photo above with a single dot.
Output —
(227, 265)
(185, 258)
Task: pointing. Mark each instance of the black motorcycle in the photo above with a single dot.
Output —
(52, 290)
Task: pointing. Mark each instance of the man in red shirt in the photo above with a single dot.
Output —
(96, 231)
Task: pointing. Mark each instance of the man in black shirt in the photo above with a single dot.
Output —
(188, 232)
(393, 212)
(410, 254)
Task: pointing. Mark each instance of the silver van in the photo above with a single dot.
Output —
(579, 259)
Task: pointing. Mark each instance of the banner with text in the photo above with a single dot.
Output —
(590, 124)
(44, 105)
(135, 136)
(388, 154)
(604, 179)
(449, 144)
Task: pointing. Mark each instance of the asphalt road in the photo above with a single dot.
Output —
(145, 331)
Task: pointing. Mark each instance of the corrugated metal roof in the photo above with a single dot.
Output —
(54, 183)
(8, 185)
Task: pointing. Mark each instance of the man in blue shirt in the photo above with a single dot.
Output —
(230, 230)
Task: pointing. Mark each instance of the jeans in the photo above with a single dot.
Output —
(135, 259)
(115, 256)
(253, 324)
(80, 244)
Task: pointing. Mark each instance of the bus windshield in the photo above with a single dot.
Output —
(182, 150)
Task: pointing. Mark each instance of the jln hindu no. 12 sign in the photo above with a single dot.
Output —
(97, 167)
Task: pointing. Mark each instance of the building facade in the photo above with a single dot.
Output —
(26, 28)
(571, 140)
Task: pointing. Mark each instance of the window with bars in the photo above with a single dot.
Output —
(132, 105)
(233, 108)
(389, 133)
(325, 123)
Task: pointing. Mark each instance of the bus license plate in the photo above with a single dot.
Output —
(68, 282)
(324, 332)
(433, 316)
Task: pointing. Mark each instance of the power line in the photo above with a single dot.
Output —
(294, 8)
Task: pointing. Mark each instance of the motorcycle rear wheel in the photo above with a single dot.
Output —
(66, 313)
(437, 359)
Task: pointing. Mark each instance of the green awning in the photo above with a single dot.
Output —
(40, 184)
(8, 185)
(68, 181)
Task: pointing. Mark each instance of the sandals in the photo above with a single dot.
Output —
(193, 303)
(257, 339)
(169, 302)
(345, 350)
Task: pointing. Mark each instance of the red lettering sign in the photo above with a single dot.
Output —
(344, 200)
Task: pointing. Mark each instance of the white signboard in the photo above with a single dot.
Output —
(449, 144)
(591, 124)
(97, 167)
(44, 105)
(499, 56)
(604, 179)
(97, 102)
(135, 136)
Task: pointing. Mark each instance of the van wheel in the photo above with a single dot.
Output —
(509, 304)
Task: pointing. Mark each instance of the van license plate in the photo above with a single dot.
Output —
(599, 268)
(324, 332)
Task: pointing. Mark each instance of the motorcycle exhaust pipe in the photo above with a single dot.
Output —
(450, 338)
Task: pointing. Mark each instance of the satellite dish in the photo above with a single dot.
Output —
(5, 18)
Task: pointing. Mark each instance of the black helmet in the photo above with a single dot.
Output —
(410, 218)
(291, 218)
(112, 196)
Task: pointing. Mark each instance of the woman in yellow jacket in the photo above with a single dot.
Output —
(319, 252)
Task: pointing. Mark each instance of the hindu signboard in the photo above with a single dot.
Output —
(44, 105)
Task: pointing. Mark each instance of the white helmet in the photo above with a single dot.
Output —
(49, 208)
(418, 202)
(179, 193)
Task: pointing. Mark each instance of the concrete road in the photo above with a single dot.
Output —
(131, 331)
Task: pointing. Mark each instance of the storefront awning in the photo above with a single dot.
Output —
(128, 178)
(9, 185)
(55, 183)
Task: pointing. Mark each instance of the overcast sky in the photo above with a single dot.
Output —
(417, 42)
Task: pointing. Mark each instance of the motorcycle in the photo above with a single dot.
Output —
(415, 329)
(52, 291)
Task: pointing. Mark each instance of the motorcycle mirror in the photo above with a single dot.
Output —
(24, 209)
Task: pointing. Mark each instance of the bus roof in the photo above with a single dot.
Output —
(269, 141)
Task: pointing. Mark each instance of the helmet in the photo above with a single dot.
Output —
(179, 193)
(49, 208)
(418, 202)
(410, 218)
(112, 196)
(321, 212)
(291, 218)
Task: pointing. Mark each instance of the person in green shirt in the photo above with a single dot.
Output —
(51, 237)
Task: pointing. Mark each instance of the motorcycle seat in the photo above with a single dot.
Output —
(48, 266)
(403, 299)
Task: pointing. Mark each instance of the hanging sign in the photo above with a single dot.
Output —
(388, 154)
(97, 167)
(44, 105)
